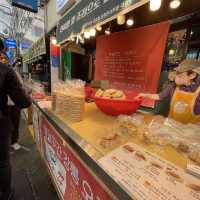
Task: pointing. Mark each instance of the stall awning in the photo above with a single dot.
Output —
(88, 13)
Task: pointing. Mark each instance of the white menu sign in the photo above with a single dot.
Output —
(148, 177)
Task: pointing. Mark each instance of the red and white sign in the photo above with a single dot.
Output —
(132, 59)
(72, 177)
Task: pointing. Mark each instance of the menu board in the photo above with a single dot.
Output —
(148, 177)
(132, 59)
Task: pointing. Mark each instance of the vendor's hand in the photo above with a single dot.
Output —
(141, 95)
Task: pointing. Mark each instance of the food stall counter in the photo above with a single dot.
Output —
(82, 140)
(96, 125)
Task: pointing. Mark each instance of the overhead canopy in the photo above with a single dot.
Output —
(87, 13)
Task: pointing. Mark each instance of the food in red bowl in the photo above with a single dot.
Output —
(117, 107)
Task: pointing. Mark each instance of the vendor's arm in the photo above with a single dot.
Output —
(197, 106)
(168, 91)
(149, 96)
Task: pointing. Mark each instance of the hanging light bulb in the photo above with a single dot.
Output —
(171, 52)
(121, 19)
(99, 28)
(107, 31)
(54, 41)
(93, 32)
(155, 5)
(175, 4)
(87, 35)
(130, 22)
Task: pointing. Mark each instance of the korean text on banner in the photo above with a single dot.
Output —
(132, 59)
(73, 179)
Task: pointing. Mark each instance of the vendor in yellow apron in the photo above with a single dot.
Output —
(182, 106)
(183, 102)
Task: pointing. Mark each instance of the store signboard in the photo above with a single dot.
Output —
(132, 60)
(147, 176)
(63, 5)
(88, 13)
(72, 177)
(29, 5)
(10, 43)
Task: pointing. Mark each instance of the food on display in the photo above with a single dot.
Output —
(183, 147)
(194, 153)
(69, 99)
(111, 94)
(160, 131)
(126, 126)
(110, 140)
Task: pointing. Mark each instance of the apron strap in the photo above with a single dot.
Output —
(197, 91)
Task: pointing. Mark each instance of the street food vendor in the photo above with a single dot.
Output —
(184, 92)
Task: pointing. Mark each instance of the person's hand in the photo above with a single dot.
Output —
(141, 95)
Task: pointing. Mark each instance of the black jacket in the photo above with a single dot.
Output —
(10, 86)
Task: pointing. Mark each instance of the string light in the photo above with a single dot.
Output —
(155, 5)
(54, 41)
(87, 35)
(107, 31)
(175, 4)
(93, 32)
(99, 28)
(130, 22)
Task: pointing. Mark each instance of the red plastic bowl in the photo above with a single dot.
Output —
(118, 107)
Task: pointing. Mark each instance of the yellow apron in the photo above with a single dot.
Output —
(182, 106)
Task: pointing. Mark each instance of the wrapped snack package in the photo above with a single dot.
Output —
(194, 153)
(111, 140)
(184, 137)
(68, 99)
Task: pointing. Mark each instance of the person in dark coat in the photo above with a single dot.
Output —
(9, 86)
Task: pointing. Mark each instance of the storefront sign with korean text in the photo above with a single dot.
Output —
(132, 60)
(88, 13)
(73, 179)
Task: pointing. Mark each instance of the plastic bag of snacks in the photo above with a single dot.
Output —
(157, 133)
(68, 99)
(171, 132)
(131, 125)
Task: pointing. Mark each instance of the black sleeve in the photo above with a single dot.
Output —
(15, 90)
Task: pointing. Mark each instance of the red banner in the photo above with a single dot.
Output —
(73, 179)
(132, 59)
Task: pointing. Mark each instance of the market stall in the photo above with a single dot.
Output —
(109, 148)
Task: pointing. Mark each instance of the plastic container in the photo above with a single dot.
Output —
(118, 107)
